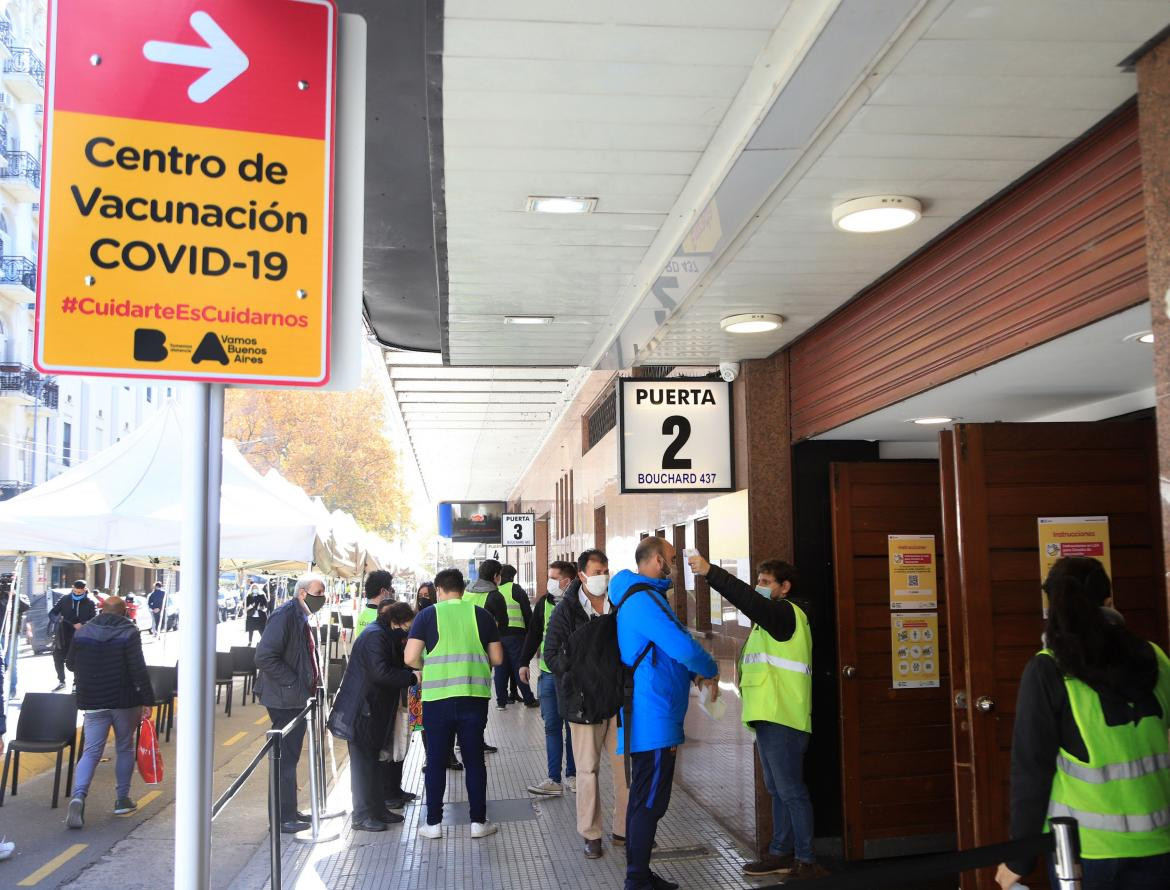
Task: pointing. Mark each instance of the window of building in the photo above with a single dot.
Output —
(66, 443)
(601, 418)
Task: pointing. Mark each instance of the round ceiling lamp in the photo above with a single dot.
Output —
(877, 213)
(751, 323)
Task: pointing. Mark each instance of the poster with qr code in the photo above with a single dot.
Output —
(913, 572)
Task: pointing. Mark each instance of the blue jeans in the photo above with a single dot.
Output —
(651, 780)
(510, 669)
(557, 742)
(1143, 873)
(97, 728)
(465, 717)
(782, 758)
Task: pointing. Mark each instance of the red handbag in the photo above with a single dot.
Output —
(150, 763)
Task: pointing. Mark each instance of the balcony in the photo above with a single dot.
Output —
(39, 113)
(18, 278)
(27, 384)
(10, 488)
(24, 75)
(22, 177)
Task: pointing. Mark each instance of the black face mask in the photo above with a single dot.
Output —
(314, 603)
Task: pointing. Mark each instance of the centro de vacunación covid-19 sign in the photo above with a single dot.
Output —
(187, 196)
(675, 435)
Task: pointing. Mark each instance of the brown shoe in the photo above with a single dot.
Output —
(806, 871)
(770, 864)
(593, 849)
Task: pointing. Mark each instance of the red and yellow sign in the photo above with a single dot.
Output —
(913, 572)
(914, 649)
(187, 196)
(1072, 536)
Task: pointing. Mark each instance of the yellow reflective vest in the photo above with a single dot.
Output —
(775, 678)
(458, 666)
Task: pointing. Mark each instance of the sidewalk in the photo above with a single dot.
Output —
(537, 845)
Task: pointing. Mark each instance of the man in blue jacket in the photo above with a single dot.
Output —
(671, 660)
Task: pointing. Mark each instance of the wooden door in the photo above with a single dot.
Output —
(1006, 477)
(897, 762)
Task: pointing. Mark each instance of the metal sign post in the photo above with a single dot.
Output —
(199, 564)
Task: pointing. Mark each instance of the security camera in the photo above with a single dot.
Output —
(729, 370)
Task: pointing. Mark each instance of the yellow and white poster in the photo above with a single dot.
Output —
(913, 572)
(915, 655)
(1072, 536)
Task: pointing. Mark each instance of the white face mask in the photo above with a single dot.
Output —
(597, 585)
(554, 586)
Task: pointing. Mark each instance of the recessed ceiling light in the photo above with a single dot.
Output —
(932, 421)
(1141, 337)
(877, 213)
(559, 204)
(751, 323)
(528, 319)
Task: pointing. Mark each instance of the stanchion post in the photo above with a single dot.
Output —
(315, 794)
(274, 741)
(1068, 853)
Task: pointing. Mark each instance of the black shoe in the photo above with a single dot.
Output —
(400, 800)
(532, 704)
(304, 817)
(59, 686)
(513, 697)
(294, 826)
(390, 818)
(454, 764)
(660, 883)
(489, 749)
(368, 825)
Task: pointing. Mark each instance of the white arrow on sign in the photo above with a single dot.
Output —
(221, 57)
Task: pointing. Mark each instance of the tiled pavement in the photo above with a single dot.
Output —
(541, 850)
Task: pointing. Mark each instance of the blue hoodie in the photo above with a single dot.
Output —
(662, 681)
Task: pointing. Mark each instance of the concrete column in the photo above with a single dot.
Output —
(1153, 71)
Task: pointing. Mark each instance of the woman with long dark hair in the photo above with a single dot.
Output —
(1090, 737)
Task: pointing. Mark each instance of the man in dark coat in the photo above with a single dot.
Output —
(363, 715)
(70, 613)
(155, 603)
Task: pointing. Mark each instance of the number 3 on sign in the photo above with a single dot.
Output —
(680, 428)
(517, 531)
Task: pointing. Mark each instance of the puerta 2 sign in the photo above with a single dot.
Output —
(186, 217)
(674, 435)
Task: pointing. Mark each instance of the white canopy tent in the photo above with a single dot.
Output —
(126, 502)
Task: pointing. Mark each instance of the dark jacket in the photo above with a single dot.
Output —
(155, 601)
(567, 618)
(107, 663)
(495, 603)
(536, 627)
(70, 613)
(521, 599)
(284, 661)
(363, 712)
(774, 616)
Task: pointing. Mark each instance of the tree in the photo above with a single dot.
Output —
(331, 444)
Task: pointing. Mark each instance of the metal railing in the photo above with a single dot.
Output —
(22, 165)
(20, 379)
(18, 270)
(24, 61)
(271, 750)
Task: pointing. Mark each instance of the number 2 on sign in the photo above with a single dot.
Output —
(680, 428)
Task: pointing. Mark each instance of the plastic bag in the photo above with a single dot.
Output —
(150, 763)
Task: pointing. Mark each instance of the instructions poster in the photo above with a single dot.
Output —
(913, 572)
(1072, 536)
(914, 638)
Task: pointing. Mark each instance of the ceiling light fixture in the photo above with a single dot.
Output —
(932, 421)
(1146, 337)
(528, 319)
(559, 204)
(751, 323)
(877, 213)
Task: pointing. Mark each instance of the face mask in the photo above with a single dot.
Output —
(764, 591)
(314, 603)
(553, 587)
(597, 584)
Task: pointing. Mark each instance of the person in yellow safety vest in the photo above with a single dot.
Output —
(512, 635)
(455, 643)
(379, 588)
(775, 681)
(1090, 737)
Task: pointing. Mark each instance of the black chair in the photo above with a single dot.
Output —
(244, 665)
(330, 637)
(333, 675)
(224, 677)
(48, 722)
(165, 682)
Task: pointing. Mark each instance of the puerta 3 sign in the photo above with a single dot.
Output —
(675, 435)
(188, 190)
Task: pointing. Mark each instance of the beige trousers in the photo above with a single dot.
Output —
(588, 743)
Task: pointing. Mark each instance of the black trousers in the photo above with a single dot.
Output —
(290, 756)
(651, 779)
(59, 664)
(365, 783)
(391, 775)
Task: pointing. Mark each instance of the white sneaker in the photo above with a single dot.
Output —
(571, 783)
(483, 829)
(6, 848)
(431, 832)
(547, 788)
